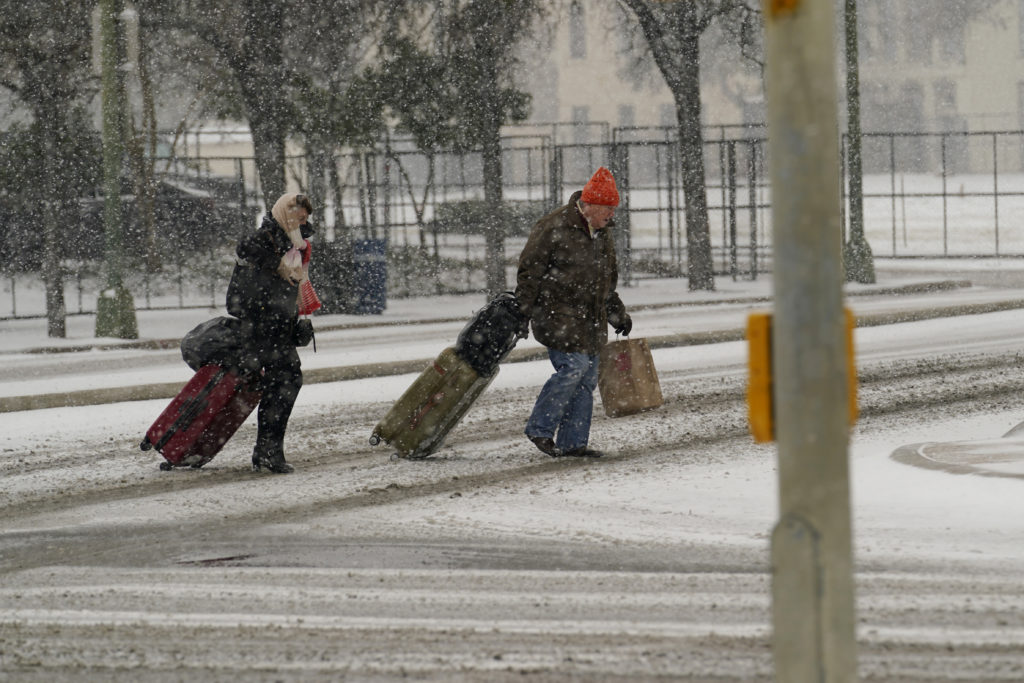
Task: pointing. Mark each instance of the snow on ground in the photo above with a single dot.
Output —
(731, 497)
(492, 557)
(898, 509)
(900, 512)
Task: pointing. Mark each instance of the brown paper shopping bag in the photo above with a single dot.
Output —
(627, 379)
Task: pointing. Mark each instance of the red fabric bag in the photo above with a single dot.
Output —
(308, 300)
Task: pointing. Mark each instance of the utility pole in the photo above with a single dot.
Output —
(857, 257)
(115, 309)
(813, 634)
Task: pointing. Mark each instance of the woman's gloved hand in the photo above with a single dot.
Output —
(290, 267)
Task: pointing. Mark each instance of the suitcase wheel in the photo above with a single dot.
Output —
(145, 445)
(374, 439)
(414, 455)
(166, 466)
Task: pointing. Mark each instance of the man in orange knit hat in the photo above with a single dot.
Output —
(566, 289)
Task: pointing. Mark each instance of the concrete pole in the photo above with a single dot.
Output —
(812, 588)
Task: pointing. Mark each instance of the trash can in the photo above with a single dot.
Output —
(370, 275)
(330, 270)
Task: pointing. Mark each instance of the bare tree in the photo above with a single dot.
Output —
(272, 61)
(339, 100)
(248, 38)
(456, 91)
(672, 30)
(478, 40)
(45, 62)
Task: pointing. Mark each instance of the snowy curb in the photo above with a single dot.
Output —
(926, 287)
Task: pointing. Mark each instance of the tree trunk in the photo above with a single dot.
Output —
(341, 233)
(53, 275)
(319, 156)
(146, 147)
(691, 148)
(675, 45)
(268, 145)
(113, 110)
(494, 230)
(259, 68)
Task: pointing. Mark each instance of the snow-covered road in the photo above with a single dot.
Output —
(492, 562)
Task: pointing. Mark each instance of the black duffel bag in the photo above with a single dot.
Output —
(221, 341)
(491, 334)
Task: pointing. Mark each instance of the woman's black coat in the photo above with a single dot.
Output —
(256, 292)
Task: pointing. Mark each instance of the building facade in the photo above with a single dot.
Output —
(926, 67)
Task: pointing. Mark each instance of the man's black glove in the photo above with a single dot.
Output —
(624, 326)
(524, 327)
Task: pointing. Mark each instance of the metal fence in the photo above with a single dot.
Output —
(952, 194)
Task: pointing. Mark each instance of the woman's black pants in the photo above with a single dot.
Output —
(282, 379)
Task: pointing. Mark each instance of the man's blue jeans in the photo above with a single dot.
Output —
(566, 403)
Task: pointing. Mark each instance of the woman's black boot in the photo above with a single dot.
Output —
(272, 459)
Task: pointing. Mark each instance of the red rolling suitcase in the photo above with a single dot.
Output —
(201, 418)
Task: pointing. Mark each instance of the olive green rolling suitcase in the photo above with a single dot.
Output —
(418, 423)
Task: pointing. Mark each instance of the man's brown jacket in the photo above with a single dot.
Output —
(566, 282)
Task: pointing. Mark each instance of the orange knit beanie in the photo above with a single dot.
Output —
(600, 189)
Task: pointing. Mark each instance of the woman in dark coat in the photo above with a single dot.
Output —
(264, 291)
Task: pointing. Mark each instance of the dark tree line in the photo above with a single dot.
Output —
(331, 73)
(45, 50)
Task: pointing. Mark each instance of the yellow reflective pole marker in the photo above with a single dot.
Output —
(776, 8)
(759, 385)
(851, 366)
(760, 399)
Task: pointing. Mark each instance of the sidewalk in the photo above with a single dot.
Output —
(163, 329)
(712, 317)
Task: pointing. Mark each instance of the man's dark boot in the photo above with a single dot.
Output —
(582, 452)
(546, 445)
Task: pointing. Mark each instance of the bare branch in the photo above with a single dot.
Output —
(655, 34)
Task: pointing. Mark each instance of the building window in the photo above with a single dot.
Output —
(953, 45)
(580, 129)
(876, 102)
(910, 107)
(945, 98)
(1020, 25)
(887, 31)
(1020, 105)
(668, 116)
(919, 35)
(627, 115)
(577, 32)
